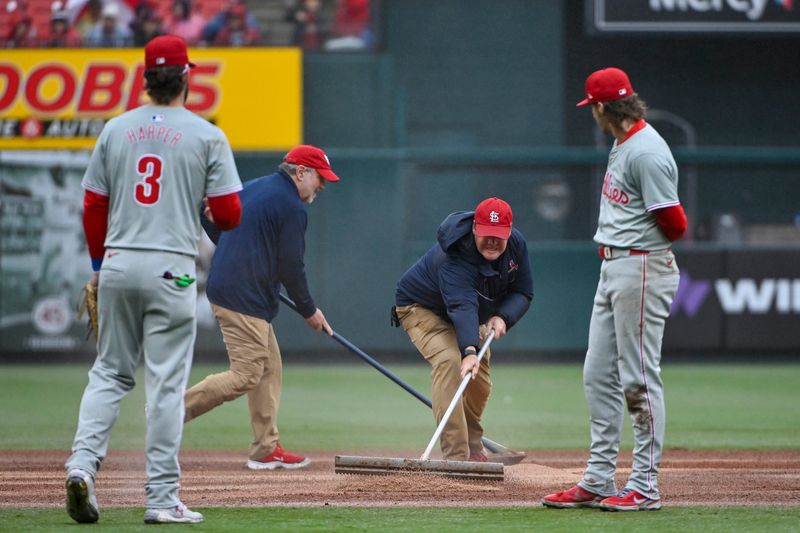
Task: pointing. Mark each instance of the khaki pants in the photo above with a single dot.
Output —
(435, 338)
(255, 369)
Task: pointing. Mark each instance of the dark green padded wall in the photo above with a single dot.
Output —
(453, 72)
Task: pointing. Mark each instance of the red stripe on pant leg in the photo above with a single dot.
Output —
(644, 373)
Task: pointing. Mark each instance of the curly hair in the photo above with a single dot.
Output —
(631, 107)
(164, 84)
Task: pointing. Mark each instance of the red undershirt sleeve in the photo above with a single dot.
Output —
(226, 210)
(672, 221)
(95, 225)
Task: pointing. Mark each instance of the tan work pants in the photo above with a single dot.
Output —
(435, 338)
(255, 369)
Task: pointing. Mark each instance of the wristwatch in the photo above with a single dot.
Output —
(470, 351)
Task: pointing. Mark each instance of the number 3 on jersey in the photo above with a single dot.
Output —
(148, 190)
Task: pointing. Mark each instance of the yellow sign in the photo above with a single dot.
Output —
(61, 99)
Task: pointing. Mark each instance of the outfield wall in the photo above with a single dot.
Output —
(460, 102)
(365, 231)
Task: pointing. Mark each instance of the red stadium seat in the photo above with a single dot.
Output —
(165, 10)
(210, 8)
(41, 11)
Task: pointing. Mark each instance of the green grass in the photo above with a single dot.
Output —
(337, 519)
(353, 407)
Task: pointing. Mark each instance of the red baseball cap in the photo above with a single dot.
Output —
(312, 157)
(606, 85)
(237, 10)
(166, 51)
(493, 218)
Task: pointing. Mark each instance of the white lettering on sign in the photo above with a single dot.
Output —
(753, 9)
(746, 295)
(8, 127)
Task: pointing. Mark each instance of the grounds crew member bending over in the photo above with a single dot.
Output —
(476, 277)
(247, 270)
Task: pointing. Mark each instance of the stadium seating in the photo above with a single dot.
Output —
(40, 11)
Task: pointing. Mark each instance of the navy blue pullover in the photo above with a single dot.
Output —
(454, 280)
(263, 252)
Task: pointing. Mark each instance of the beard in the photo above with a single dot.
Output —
(603, 124)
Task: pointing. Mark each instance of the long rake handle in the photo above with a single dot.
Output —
(490, 444)
(456, 398)
(382, 369)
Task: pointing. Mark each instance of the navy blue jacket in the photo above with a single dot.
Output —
(263, 252)
(454, 280)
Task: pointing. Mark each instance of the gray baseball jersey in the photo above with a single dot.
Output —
(156, 164)
(641, 177)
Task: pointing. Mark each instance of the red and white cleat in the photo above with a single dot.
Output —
(573, 498)
(478, 457)
(629, 500)
(279, 458)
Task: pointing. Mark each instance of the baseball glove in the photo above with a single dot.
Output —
(88, 303)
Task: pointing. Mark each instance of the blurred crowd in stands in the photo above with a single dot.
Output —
(331, 26)
(315, 25)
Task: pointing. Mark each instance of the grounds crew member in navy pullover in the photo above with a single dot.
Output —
(248, 268)
(476, 277)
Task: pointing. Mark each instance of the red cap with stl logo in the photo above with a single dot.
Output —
(493, 218)
(311, 157)
(606, 85)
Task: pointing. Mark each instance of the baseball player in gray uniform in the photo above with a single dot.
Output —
(640, 216)
(149, 172)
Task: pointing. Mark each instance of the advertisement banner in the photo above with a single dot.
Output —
(44, 262)
(736, 300)
(760, 295)
(61, 99)
(756, 16)
(696, 321)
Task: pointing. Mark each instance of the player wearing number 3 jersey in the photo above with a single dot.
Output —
(640, 216)
(150, 170)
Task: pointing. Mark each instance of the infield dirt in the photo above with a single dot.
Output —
(220, 479)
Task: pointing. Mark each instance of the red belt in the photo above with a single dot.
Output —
(609, 252)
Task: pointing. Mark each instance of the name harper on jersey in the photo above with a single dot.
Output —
(152, 132)
(614, 193)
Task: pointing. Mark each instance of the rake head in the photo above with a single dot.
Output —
(350, 464)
